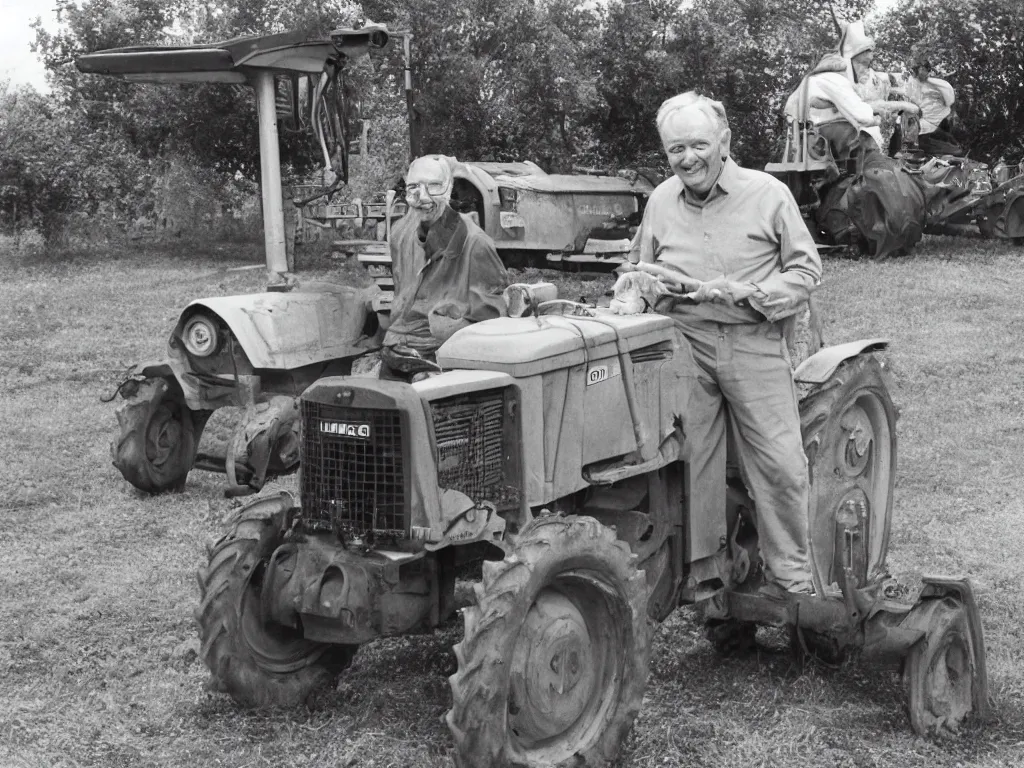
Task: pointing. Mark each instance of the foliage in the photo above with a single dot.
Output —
(51, 165)
(978, 46)
(562, 83)
(506, 80)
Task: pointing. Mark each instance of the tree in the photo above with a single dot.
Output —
(500, 80)
(978, 45)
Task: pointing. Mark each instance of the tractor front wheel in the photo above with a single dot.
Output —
(554, 662)
(260, 664)
(159, 434)
(940, 673)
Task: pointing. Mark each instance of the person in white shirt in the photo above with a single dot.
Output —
(935, 97)
(827, 99)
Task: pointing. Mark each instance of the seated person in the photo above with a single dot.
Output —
(826, 98)
(874, 87)
(446, 270)
(935, 97)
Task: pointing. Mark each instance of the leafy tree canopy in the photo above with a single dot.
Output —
(558, 82)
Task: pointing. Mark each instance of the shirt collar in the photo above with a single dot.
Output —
(441, 232)
(726, 182)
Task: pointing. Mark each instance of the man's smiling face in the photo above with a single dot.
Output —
(696, 147)
(428, 186)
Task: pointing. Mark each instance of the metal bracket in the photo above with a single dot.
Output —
(963, 590)
(470, 522)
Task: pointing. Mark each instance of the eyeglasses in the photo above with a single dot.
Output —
(432, 188)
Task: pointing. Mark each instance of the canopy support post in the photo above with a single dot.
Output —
(270, 175)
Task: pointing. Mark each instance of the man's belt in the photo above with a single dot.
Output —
(680, 304)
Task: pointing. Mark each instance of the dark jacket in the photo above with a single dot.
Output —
(453, 267)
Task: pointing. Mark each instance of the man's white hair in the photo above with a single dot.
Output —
(446, 164)
(713, 109)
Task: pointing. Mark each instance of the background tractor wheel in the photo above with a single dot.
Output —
(258, 664)
(159, 435)
(849, 434)
(940, 672)
(554, 662)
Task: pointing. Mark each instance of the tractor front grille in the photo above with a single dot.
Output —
(477, 453)
(354, 472)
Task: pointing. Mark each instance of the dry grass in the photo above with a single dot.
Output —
(97, 648)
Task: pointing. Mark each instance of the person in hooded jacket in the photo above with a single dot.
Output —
(827, 99)
(874, 87)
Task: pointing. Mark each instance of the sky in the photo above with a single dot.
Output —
(20, 65)
(17, 62)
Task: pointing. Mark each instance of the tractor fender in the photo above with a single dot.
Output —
(198, 395)
(288, 330)
(817, 368)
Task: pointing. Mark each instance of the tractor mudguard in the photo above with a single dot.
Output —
(288, 330)
(818, 367)
(198, 397)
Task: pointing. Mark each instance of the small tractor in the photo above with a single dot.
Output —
(879, 206)
(259, 351)
(256, 351)
(553, 451)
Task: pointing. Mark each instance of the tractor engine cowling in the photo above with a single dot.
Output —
(603, 394)
(385, 460)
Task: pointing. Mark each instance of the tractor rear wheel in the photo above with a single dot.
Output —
(159, 435)
(259, 664)
(940, 671)
(554, 662)
(849, 434)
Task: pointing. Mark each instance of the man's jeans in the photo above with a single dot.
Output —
(747, 366)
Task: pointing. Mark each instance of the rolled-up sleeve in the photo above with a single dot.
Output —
(785, 292)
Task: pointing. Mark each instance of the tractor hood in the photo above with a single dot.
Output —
(527, 346)
(284, 331)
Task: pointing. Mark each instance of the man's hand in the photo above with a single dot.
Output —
(677, 282)
(673, 279)
(721, 290)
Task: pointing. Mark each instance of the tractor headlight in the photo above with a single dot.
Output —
(200, 336)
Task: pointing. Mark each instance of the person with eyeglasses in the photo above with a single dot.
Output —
(446, 270)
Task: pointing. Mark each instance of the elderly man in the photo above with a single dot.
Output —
(446, 269)
(746, 262)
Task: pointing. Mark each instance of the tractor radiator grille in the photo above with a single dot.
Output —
(353, 470)
(476, 451)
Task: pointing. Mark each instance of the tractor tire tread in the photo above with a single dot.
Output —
(233, 670)
(128, 452)
(477, 719)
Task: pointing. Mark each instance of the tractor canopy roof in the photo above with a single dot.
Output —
(232, 60)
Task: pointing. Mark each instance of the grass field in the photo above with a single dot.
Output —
(97, 648)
